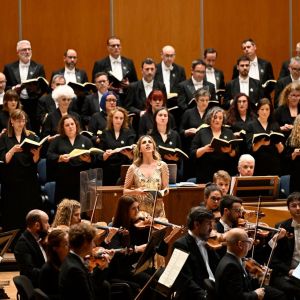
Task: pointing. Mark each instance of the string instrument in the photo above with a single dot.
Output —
(215, 240)
(106, 233)
(261, 273)
(143, 223)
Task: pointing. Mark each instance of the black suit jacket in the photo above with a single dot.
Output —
(190, 282)
(90, 106)
(177, 75)
(45, 106)
(280, 85)
(187, 90)
(232, 281)
(12, 73)
(128, 68)
(136, 97)
(220, 82)
(75, 282)
(233, 88)
(81, 75)
(284, 71)
(29, 257)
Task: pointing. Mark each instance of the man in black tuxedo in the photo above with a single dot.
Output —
(91, 102)
(294, 69)
(284, 71)
(287, 252)
(2, 88)
(260, 69)
(29, 252)
(21, 70)
(70, 72)
(123, 68)
(188, 87)
(213, 75)
(202, 261)
(232, 280)
(243, 84)
(46, 103)
(75, 280)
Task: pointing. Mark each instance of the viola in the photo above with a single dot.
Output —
(215, 240)
(106, 233)
(143, 223)
(257, 271)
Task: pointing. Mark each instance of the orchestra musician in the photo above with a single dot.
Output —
(222, 179)
(147, 171)
(212, 198)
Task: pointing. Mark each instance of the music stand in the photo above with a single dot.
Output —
(6, 238)
(249, 188)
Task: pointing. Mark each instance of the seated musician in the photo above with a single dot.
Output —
(232, 279)
(75, 281)
(212, 198)
(287, 253)
(202, 261)
(222, 179)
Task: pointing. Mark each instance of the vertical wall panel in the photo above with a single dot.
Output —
(296, 27)
(55, 25)
(146, 26)
(227, 23)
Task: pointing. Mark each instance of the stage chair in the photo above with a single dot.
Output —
(24, 287)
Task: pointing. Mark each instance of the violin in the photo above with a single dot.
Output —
(106, 233)
(215, 240)
(258, 271)
(143, 223)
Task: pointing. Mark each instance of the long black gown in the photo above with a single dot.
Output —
(67, 175)
(20, 190)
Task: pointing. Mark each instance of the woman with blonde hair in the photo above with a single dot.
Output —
(147, 171)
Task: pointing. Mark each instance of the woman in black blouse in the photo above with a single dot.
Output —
(20, 191)
(155, 101)
(289, 108)
(266, 154)
(66, 170)
(116, 135)
(209, 161)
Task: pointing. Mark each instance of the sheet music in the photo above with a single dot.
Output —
(296, 272)
(173, 268)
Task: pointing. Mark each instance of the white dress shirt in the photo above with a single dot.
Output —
(254, 71)
(116, 66)
(24, 68)
(296, 254)
(211, 77)
(1, 98)
(148, 86)
(197, 84)
(166, 72)
(244, 85)
(70, 75)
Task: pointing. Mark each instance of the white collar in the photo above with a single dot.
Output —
(166, 68)
(112, 59)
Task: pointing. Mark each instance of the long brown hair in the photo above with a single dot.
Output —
(294, 138)
(18, 114)
(110, 125)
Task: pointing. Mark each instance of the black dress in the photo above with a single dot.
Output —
(67, 175)
(267, 158)
(97, 123)
(211, 162)
(48, 282)
(4, 117)
(112, 166)
(20, 190)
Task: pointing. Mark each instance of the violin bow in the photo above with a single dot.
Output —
(94, 207)
(256, 224)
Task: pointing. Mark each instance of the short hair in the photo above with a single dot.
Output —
(155, 94)
(10, 95)
(248, 40)
(79, 234)
(98, 74)
(197, 62)
(246, 157)
(283, 98)
(19, 43)
(113, 37)
(204, 91)
(242, 58)
(209, 188)
(209, 50)
(212, 112)
(227, 202)
(125, 124)
(64, 212)
(32, 217)
(223, 175)
(63, 91)
(61, 129)
(198, 214)
(147, 61)
(292, 197)
(57, 76)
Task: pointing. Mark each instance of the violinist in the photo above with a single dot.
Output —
(212, 198)
(75, 281)
(232, 280)
(202, 261)
(287, 253)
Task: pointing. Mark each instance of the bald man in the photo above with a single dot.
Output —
(232, 280)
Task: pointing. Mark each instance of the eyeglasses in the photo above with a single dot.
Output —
(111, 100)
(169, 55)
(214, 198)
(66, 99)
(249, 241)
(115, 46)
(200, 72)
(238, 210)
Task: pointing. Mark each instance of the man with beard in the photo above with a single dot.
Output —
(243, 84)
(29, 252)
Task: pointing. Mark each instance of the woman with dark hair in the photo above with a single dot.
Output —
(11, 102)
(191, 120)
(155, 101)
(20, 191)
(266, 154)
(289, 108)
(98, 120)
(147, 171)
(164, 136)
(293, 153)
(57, 248)
(117, 134)
(66, 170)
(209, 161)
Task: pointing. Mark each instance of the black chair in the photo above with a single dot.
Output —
(24, 287)
(211, 290)
(121, 291)
(40, 295)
